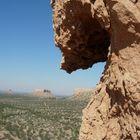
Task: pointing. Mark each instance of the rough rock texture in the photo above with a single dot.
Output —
(90, 31)
(76, 36)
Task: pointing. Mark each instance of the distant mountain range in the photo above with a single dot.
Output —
(79, 93)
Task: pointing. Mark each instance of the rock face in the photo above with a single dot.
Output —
(91, 31)
(76, 36)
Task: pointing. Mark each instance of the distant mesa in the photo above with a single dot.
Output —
(9, 92)
(6, 92)
(82, 93)
(43, 93)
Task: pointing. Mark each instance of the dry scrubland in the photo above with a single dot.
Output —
(30, 118)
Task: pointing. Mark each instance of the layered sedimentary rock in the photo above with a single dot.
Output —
(91, 31)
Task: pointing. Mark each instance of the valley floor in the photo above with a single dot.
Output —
(30, 118)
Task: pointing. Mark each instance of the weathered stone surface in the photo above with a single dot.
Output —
(84, 30)
(79, 35)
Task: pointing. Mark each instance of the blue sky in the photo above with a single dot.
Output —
(28, 56)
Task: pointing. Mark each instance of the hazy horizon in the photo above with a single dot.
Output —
(28, 56)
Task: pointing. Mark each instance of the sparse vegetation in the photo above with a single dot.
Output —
(30, 118)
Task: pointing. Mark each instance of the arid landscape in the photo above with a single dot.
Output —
(99, 36)
(36, 118)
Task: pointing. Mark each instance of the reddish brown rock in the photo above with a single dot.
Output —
(84, 30)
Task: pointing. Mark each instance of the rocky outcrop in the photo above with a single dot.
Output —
(82, 94)
(76, 36)
(43, 93)
(91, 31)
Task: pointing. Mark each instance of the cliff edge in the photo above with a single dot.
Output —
(91, 31)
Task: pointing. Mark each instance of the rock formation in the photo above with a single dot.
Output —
(91, 31)
(82, 94)
(43, 93)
